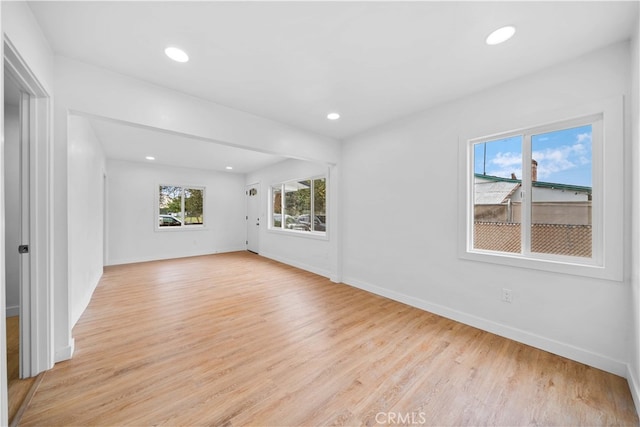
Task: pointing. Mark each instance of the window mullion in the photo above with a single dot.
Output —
(283, 195)
(312, 214)
(527, 196)
(182, 207)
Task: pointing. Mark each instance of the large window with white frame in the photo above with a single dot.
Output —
(299, 206)
(533, 191)
(180, 207)
(547, 196)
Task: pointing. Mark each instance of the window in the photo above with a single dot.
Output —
(299, 206)
(547, 197)
(545, 208)
(180, 206)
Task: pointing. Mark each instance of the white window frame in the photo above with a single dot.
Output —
(183, 227)
(608, 192)
(322, 235)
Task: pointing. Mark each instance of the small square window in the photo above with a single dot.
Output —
(180, 207)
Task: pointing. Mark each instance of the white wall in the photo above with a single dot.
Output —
(634, 332)
(12, 207)
(86, 162)
(21, 29)
(400, 227)
(132, 216)
(308, 253)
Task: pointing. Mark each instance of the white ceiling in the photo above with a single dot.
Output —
(296, 61)
(126, 141)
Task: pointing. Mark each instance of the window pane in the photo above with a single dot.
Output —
(277, 206)
(193, 206)
(497, 203)
(319, 222)
(297, 205)
(561, 192)
(170, 206)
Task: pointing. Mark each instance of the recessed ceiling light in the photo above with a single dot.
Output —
(501, 35)
(333, 116)
(176, 54)
(150, 158)
(229, 168)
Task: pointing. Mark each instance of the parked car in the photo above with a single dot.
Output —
(168, 221)
(290, 222)
(318, 222)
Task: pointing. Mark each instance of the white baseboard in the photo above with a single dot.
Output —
(13, 311)
(134, 260)
(302, 266)
(562, 349)
(634, 386)
(65, 353)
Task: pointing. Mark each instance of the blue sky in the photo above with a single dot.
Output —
(563, 156)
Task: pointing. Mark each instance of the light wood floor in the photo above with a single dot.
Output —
(234, 339)
(18, 390)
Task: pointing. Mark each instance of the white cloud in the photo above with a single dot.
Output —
(507, 159)
(584, 137)
(551, 160)
(504, 164)
(565, 157)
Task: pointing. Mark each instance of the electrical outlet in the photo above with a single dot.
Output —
(507, 295)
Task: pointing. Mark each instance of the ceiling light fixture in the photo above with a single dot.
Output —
(176, 54)
(501, 35)
(333, 116)
(229, 168)
(150, 158)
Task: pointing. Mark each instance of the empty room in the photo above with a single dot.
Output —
(310, 213)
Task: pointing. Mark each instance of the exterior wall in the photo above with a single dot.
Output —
(86, 162)
(389, 251)
(572, 213)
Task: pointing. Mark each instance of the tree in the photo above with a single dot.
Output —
(193, 205)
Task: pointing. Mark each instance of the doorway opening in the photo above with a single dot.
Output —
(26, 212)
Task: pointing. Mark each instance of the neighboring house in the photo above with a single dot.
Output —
(499, 200)
(560, 213)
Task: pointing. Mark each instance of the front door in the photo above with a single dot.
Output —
(253, 217)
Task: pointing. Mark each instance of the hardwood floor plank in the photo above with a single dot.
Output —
(19, 390)
(236, 339)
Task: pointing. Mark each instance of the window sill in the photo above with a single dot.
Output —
(304, 234)
(565, 265)
(184, 228)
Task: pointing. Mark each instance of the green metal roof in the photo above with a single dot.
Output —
(542, 184)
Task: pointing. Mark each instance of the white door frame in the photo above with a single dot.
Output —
(250, 221)
(36, 304)
(4, 399)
